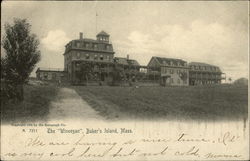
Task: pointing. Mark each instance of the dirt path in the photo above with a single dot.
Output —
(69, 105)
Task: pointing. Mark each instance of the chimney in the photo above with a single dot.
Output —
(81, 35)
(127, 57)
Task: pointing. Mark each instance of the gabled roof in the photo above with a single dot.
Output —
(41, 69)
(102, 33)
(88, 40)
(163, 61)
(205, 65)
(84, 40)
(200, 64)
(126, 61)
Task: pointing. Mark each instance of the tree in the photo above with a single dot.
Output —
(21, 53)
(183, 76)
(117, 74)
(84, 72)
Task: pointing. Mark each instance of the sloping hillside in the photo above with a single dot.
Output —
(201, 102)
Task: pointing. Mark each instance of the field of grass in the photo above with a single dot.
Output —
(34, 107)
(200, 102)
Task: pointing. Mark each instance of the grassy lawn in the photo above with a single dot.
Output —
(34, 107)
(200, 102)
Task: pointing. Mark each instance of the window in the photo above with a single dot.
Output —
(77, 44)
(95, 57)
(107, 47)
(108, 57)
(78, 55)
(77, 64)
(95, 46)
(162, 69)
(101, 57)
(87, 45)
(178, 81)
(87, 56)
(171, 63)
(45, 75)
(172, 80)
(171, 71)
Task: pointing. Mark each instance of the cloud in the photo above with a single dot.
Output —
(212, 43)
(55, 40)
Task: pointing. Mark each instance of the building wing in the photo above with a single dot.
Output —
(160, 61)
(125, 61)
(199, 66)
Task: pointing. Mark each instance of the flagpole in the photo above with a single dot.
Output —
(96, 23)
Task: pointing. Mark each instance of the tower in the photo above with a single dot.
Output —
(103, 37)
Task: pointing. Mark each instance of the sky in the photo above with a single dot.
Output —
(196, 31)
